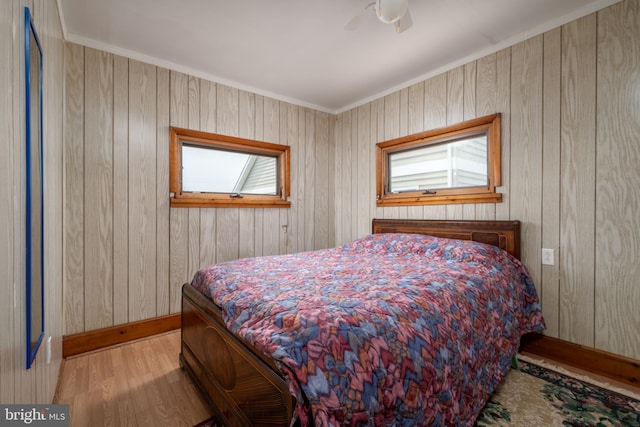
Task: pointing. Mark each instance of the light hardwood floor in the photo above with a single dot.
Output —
(135, 384)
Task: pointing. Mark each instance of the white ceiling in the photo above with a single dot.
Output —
(299, 51)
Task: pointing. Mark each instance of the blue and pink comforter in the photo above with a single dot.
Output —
(391, 329)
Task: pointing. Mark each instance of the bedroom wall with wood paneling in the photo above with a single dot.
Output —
(570, 104)
(127, 252)
(38, 384)
(570, 125)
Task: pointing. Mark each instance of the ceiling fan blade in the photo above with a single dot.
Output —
(356, 21)
(404, 23)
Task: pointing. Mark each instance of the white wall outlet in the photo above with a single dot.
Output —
(548, 257)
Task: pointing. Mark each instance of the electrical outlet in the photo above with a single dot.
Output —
(547, 257)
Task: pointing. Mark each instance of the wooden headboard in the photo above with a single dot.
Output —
(503, 234)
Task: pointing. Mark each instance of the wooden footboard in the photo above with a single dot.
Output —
(242, 386)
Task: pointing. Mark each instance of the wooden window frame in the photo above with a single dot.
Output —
(481, 194)
(180, 198)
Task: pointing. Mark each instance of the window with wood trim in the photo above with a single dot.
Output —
(212, 170)
(456, 164)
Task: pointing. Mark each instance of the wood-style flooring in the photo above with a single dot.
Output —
(135, 384)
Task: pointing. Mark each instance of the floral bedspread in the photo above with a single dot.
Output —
(391, 329)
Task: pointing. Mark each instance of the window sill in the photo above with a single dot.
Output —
(211, 201)
(434, 199)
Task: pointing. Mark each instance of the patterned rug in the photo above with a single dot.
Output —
(543, 395)
(540, 394)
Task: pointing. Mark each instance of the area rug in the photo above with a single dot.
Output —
(544, 395)
(540, 394)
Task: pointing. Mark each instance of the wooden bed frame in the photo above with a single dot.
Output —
(242, 385)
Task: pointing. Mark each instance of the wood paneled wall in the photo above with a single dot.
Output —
(617, 181)
(570, 104)
(38, 384)
(127, 252)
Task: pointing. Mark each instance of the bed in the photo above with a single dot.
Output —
(363, 334)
